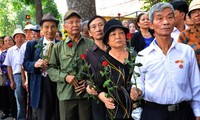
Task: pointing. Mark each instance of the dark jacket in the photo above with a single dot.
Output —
(32, 54)
(138, 42)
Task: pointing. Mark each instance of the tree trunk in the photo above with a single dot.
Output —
(86, 8)
(39, 13)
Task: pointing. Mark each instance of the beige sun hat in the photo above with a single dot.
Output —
(28, 27)
(195, 4)
(18, 31)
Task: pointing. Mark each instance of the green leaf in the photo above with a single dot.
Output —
(110, 89)
(102, 73)
(106, 83)
(138, 64)
(137, 74)
(107, 95)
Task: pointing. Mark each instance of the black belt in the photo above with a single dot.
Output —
(169, 108)
(17, 74)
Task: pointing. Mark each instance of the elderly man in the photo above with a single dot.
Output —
(191, 36)
(43, 97)
(169, 80)
(14, 73)
(64, 66)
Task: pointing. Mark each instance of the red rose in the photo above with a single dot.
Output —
(119, 14)
(83, 56)
(105, 63)
(129, 36)
(181, 66)
(70, 45)
(177, 61)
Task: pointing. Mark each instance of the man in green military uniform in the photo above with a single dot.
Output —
(64, 66)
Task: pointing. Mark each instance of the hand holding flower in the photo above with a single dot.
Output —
(40, 63)
(135, 93)
(109, 102)
(90, 90)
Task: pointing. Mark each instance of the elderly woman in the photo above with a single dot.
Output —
(191, 36)
(115, 94)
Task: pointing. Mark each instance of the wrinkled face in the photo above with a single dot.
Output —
(163, 23)
(73, 25)
(96, 29)
(49, 29)
(8, 42)
(117, 38)
(28, 34)
(179, 16)
(19, 39)
(195, 16)
(144, 21)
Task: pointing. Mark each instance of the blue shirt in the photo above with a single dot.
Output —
(148, 41)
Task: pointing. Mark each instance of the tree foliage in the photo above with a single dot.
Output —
(149, 3)
(13, 12)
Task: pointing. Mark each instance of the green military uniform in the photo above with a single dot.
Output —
(64, 54)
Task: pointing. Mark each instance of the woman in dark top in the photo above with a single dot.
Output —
(117, 101)
(144, 36)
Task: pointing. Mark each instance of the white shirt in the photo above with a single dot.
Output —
(175, 33)
(47, 42)
(10, 59)
(20, 58)
(163, 81)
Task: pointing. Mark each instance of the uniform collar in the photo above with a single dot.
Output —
(68, 39)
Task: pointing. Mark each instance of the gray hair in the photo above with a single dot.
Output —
(159, 7)
(84, 24)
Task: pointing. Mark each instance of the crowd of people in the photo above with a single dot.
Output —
(99, 72)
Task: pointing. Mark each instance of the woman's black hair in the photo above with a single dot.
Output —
(138, 20)
(10, 38)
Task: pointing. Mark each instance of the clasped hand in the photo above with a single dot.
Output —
(78, 85)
